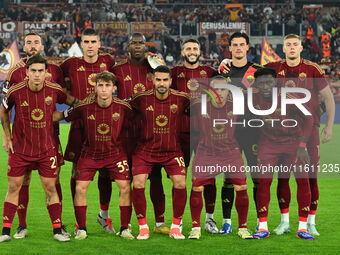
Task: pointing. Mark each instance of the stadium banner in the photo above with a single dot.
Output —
(222, 27)
(117, 28)
(41, 27)
(267, 53)
(8, 27)
(9, 57)
(146, 27)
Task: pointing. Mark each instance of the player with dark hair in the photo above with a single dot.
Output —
(295, 71)
(241, 74)
(33, 145)
(161, 111)
(104, 117)
(217, 146)
(32, 45)
(80, 74)
(135, 75)
(187, 78)
(281, 146)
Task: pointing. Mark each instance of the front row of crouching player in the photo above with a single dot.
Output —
(161, 111)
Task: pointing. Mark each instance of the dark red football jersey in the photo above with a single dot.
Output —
(161, 120)
(306, 75)
(102, 126)
(33, 131)
(188, 80)
(214, 140)
(18, 74)
(273, 130)
(132, 79)
(82, 75)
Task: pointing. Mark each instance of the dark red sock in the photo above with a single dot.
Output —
(8, 214)
(209, 198)
(196, 206)
(60, 193)
(139, 202)
(314, 189)
(80, 212)
(73, 188)
(242, 205)
(263, 197)
(129, 213)
(158, 199)
(178, 202)
(105, 191)
(303, 196)
(124, 215)
(22, 205)
(54, 211)
(283, 193)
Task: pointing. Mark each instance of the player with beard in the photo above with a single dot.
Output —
(33, 45)
(135, 75)
(187, 78)
(295, 71)
(81, 76)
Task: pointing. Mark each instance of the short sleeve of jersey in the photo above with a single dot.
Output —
(65, 67)
(61, 97)
(321, 81)
(8, 101)
(60, 77)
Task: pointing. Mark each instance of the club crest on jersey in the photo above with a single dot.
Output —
(139, 87)
(116, 116)
(48, 100)
(103, 129)
(290, 84)
(203, 74)
(102, 67)
(92, 79)
(250, 78)
(302, 76)
(173, 108)
(37, 114)
(161, 120)
(149, 76)
(192, 84)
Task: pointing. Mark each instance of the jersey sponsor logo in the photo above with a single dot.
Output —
(24, 103)
(150, 108)
(103, 129)
(282, 73)
(48, 100)
(192, 84)
(81, 69)
(203, 74)
(218, 129)
(92, 79)
(181, 75)
(302, 76)
(91, 117)
(37, 114)
(174, 108)
(161, 120)
(139, 87)
(116, 116)
(127, 78)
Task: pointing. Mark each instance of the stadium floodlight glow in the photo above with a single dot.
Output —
(238, 100)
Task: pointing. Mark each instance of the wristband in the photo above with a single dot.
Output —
(302, 144)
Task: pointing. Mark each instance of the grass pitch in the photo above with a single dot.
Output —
(40, 238)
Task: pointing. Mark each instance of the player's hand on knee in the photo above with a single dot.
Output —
(302, 155)
(326, 134)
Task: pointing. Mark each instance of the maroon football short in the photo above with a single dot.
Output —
(76, 138)
(46, 164)
(206, 167)
(118, 168)
(281, 155)
(173, 163)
